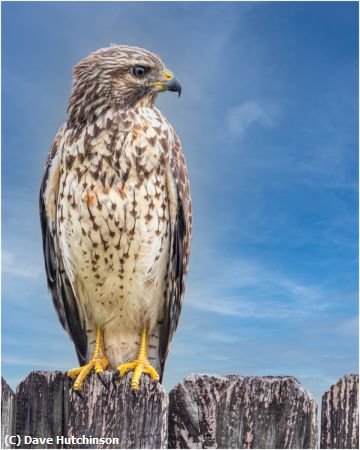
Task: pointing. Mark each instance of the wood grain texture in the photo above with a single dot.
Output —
(139, 419)
(204, 411)
(7, 412)
(47, 407)
(42, 406)
(340, 414)
(208, 411)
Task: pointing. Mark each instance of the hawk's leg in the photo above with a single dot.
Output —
(98, 362)
(140, 365)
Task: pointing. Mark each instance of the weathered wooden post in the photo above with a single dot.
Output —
(208, 411)
(7, 413)
(139, 419)
(42, 408)
(106, 417)
(340, 414)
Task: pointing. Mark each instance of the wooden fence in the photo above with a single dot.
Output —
(203, 411)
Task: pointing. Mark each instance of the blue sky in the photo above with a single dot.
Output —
(268, 121)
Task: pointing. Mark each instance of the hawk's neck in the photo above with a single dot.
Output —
(86, 112)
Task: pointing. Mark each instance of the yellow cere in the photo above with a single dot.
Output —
(168, 75)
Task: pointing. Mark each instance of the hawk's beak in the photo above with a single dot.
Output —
(169, 83)
(173, 85)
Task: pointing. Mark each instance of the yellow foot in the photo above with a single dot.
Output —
(139, 366)
(80, 373)
(98, 362)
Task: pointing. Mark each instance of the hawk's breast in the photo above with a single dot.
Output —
(114, 217)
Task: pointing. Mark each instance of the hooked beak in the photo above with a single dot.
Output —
(173, 85)
(168, 83)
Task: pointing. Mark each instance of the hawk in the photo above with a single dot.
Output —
(115, 213)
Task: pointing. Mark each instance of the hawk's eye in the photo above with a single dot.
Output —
(139, 71)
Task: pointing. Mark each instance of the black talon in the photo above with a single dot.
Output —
(102, 379)
(154, 384)
(135, 392)
(79, 394)
(115, 378)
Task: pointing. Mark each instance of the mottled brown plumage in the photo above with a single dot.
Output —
(115, 209)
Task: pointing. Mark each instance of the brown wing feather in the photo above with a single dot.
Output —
(180, 231)
(59, 285)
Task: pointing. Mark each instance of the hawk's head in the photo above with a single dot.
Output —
(118, 76)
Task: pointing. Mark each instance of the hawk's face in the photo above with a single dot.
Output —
(118, 76)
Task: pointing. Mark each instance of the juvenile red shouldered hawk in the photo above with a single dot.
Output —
(115, 213)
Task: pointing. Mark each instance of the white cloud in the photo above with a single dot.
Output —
(250, 113)
(349, 327)
(34, 362)
(14, 265)
(223, 337)
(246, 289)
